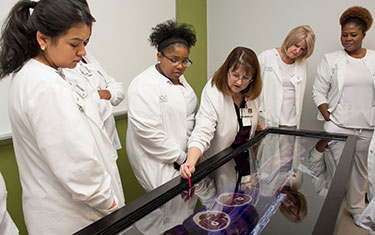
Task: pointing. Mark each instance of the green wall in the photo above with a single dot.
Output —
(194, 12)
(187, 11)
(9, 170)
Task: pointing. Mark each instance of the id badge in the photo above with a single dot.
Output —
(246, 121)
(86, 70)
(295, 80)
(79, 90)
(246, 114)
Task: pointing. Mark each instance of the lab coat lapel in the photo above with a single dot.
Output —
(371, 67)
(88, 106)
(97, 84)
(341, 70)
(300, 74)
(275, 67)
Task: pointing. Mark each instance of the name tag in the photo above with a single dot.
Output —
(246, 114)
(295, 79)
(246, 121)
(85, 70)
(79, 90)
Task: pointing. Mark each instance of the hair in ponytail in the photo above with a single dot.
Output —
(51, 17)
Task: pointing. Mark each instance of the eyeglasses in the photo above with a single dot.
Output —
(185, 63)
(237, 77)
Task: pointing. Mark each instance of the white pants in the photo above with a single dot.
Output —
(367, 218)
(357, 187)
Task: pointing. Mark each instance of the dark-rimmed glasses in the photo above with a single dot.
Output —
(185, 63)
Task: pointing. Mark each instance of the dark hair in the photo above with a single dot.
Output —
(84, 2)
(169, 33)
(357, 15)
(240, 57)
(51, 17)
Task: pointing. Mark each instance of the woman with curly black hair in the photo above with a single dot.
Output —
(161, 108)
(344, 92)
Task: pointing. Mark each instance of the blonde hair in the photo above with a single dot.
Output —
(248, 60)
(299, 33)
(301, 206)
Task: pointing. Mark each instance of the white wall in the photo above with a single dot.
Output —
(119, 41)
(261, 25)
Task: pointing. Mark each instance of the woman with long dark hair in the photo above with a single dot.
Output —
(66, 161)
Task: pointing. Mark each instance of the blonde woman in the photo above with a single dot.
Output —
(284, 75)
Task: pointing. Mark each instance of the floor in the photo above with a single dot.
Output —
(347, 227)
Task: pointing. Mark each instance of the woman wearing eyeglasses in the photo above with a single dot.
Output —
(228, 114)
(161, 108)
(284, 72)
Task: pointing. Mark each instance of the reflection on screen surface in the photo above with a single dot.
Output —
(278, 184)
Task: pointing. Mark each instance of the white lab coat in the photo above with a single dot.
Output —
(330, 79)
(96, 77)
(272, 92)
(216, 122)
(158, 126)
(7, 226)
(66, 161)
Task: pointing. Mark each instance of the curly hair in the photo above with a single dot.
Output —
(165, 34)
(358, 15)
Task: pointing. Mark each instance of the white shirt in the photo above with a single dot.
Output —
(161, 116)
(288, 106)
(66, 161)
(356, 105)
(331, 73)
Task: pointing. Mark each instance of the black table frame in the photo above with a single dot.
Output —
(327, 222)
